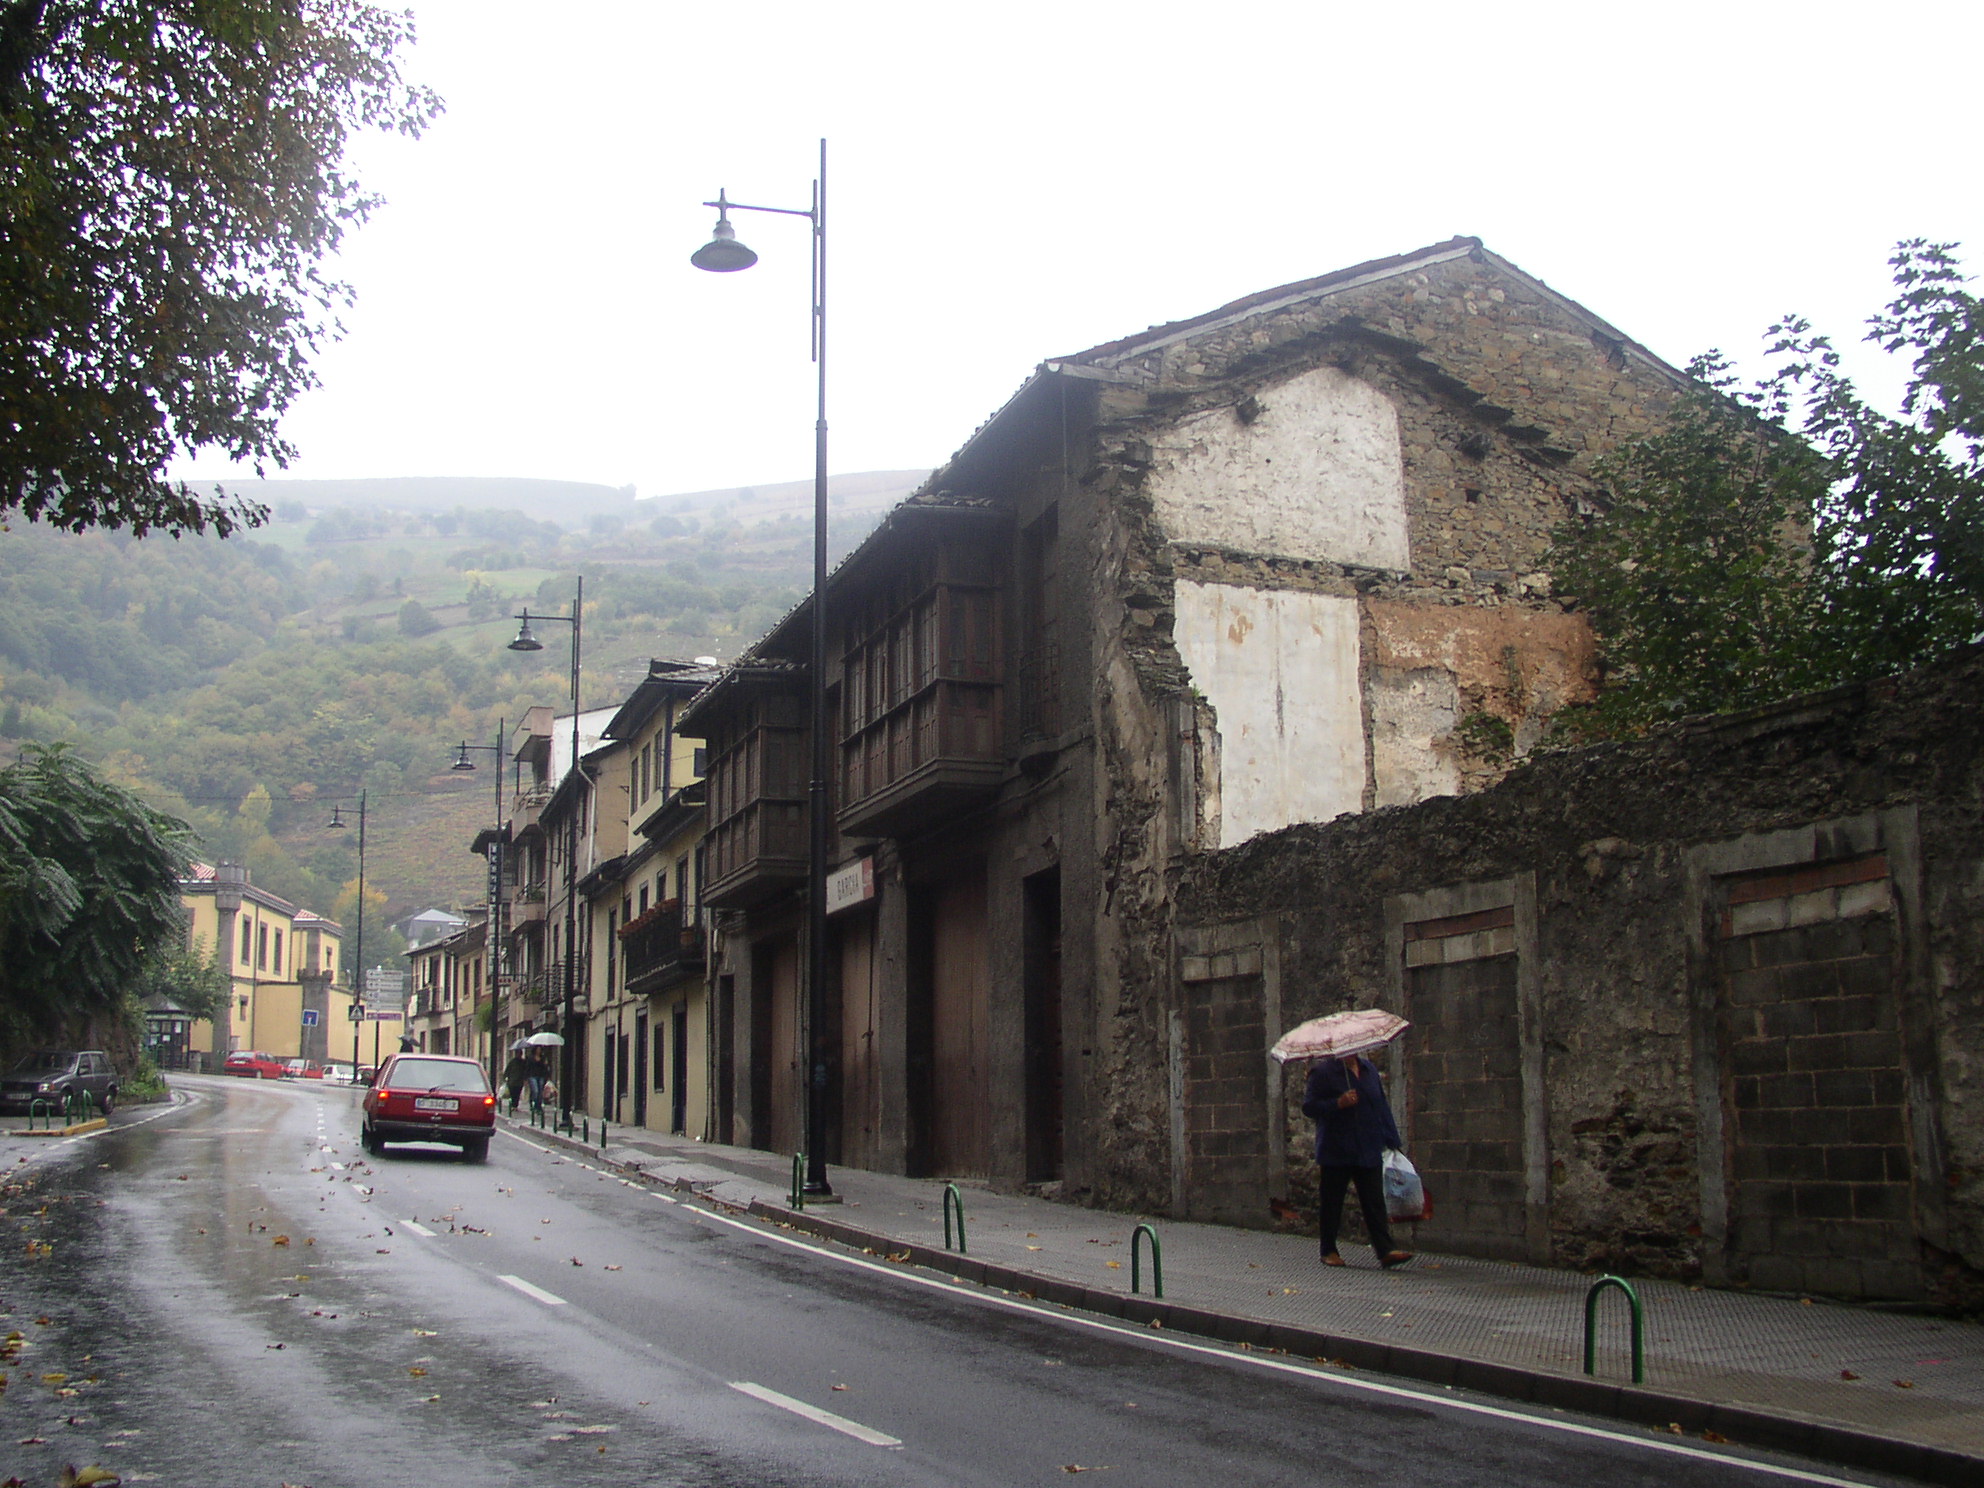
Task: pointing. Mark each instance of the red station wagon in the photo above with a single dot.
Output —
(430, 1098)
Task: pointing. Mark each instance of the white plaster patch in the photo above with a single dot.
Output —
(1318, 475)
(1411, 712)
(1280, 671)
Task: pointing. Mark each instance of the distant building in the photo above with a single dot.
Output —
(285, 967)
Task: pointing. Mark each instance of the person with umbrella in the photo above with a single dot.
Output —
(1346, 1099)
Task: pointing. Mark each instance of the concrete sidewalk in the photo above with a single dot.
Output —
(1888, 1391)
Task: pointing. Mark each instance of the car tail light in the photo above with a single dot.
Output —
(489, 1100)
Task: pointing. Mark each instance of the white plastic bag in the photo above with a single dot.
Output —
(1405, 1195)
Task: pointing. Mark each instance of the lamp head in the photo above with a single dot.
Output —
(525, 641)
(462, 761)
(723, 254)
(336, 823)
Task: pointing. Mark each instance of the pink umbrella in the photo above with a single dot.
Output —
(1338, 1035)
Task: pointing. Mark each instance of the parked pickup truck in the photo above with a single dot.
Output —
(53, 1075)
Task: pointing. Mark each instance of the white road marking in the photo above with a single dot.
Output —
(416, 1227)
(813, 1413)
(549, 1299)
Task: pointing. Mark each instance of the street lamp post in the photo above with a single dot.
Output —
(723, 254)
(493, 924)
(337, 823)
(525, 641)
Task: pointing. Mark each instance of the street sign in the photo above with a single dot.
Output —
(382, 1015)
(309, 1017)
(383, 983)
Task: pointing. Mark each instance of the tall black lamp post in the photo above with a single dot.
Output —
(525, 641)
(723, 254)
(493, 924)
(337, 823)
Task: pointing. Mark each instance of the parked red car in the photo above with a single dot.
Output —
(253, 1065)
(430, 1098)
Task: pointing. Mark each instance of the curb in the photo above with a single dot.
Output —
(95, 1124)
(1826, 1441)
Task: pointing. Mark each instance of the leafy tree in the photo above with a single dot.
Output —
(89, 892)
(171, 181)
(188, 977)
(1790, 536)
(416, 620)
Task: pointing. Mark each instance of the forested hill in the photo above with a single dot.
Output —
(247, 684)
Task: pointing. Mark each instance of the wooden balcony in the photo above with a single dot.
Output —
(659, 950)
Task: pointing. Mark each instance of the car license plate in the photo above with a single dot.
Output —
(429, 1103)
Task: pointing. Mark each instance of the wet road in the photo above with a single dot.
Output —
(228, 1292)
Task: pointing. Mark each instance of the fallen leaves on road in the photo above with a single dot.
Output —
(1715, 1436)
(280, 1240)
(1847, 1374)
(275, 1345)
(840, 1387)
(416, 1371)
(1114, 1265)
(1074, 1467)
(89, 1477)
(425, 1333)
(577, 1262)
(1904, 1384)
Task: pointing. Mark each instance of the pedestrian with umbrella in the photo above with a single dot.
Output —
(1346, 1099)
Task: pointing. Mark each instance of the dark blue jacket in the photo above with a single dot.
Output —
(1358, 1137)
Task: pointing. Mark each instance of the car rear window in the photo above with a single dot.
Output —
(436, 1074)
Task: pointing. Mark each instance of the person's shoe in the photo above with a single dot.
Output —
(1333, 1259)
(1395, 1258)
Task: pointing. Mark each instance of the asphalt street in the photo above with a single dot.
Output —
(228, 1292)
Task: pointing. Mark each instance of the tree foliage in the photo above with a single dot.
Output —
(171, 181)
(1790, 535)
(190, 978)
(89, 892)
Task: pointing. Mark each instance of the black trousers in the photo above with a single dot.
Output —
(1370, 1198)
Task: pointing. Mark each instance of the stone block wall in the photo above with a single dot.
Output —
(1707, 1004)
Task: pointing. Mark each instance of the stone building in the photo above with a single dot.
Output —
(1265, 567)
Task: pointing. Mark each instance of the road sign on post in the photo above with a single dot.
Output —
(309, 1017)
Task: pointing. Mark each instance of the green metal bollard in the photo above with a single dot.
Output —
(797, 1198)
(602, 1134)
(1591, 1326)
(585, 1130)
(951, 1197)
(1156, 1261)
(44, 1110)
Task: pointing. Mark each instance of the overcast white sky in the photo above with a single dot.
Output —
(1021, 180)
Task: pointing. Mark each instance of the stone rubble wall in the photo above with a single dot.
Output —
(1756, 952)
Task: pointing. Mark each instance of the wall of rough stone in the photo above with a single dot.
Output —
(1748, 995)
(1501, 395)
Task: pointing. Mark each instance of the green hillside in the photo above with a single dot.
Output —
(246, 684)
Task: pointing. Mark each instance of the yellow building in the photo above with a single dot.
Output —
(285, 967)
(648, 1033)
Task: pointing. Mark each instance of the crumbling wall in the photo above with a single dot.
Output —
(1253, 481)
(1757, 946)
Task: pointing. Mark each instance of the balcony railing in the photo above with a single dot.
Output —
(660, 948)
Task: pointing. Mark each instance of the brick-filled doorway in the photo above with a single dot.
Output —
(1463, 1060)
(1820, 1162)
